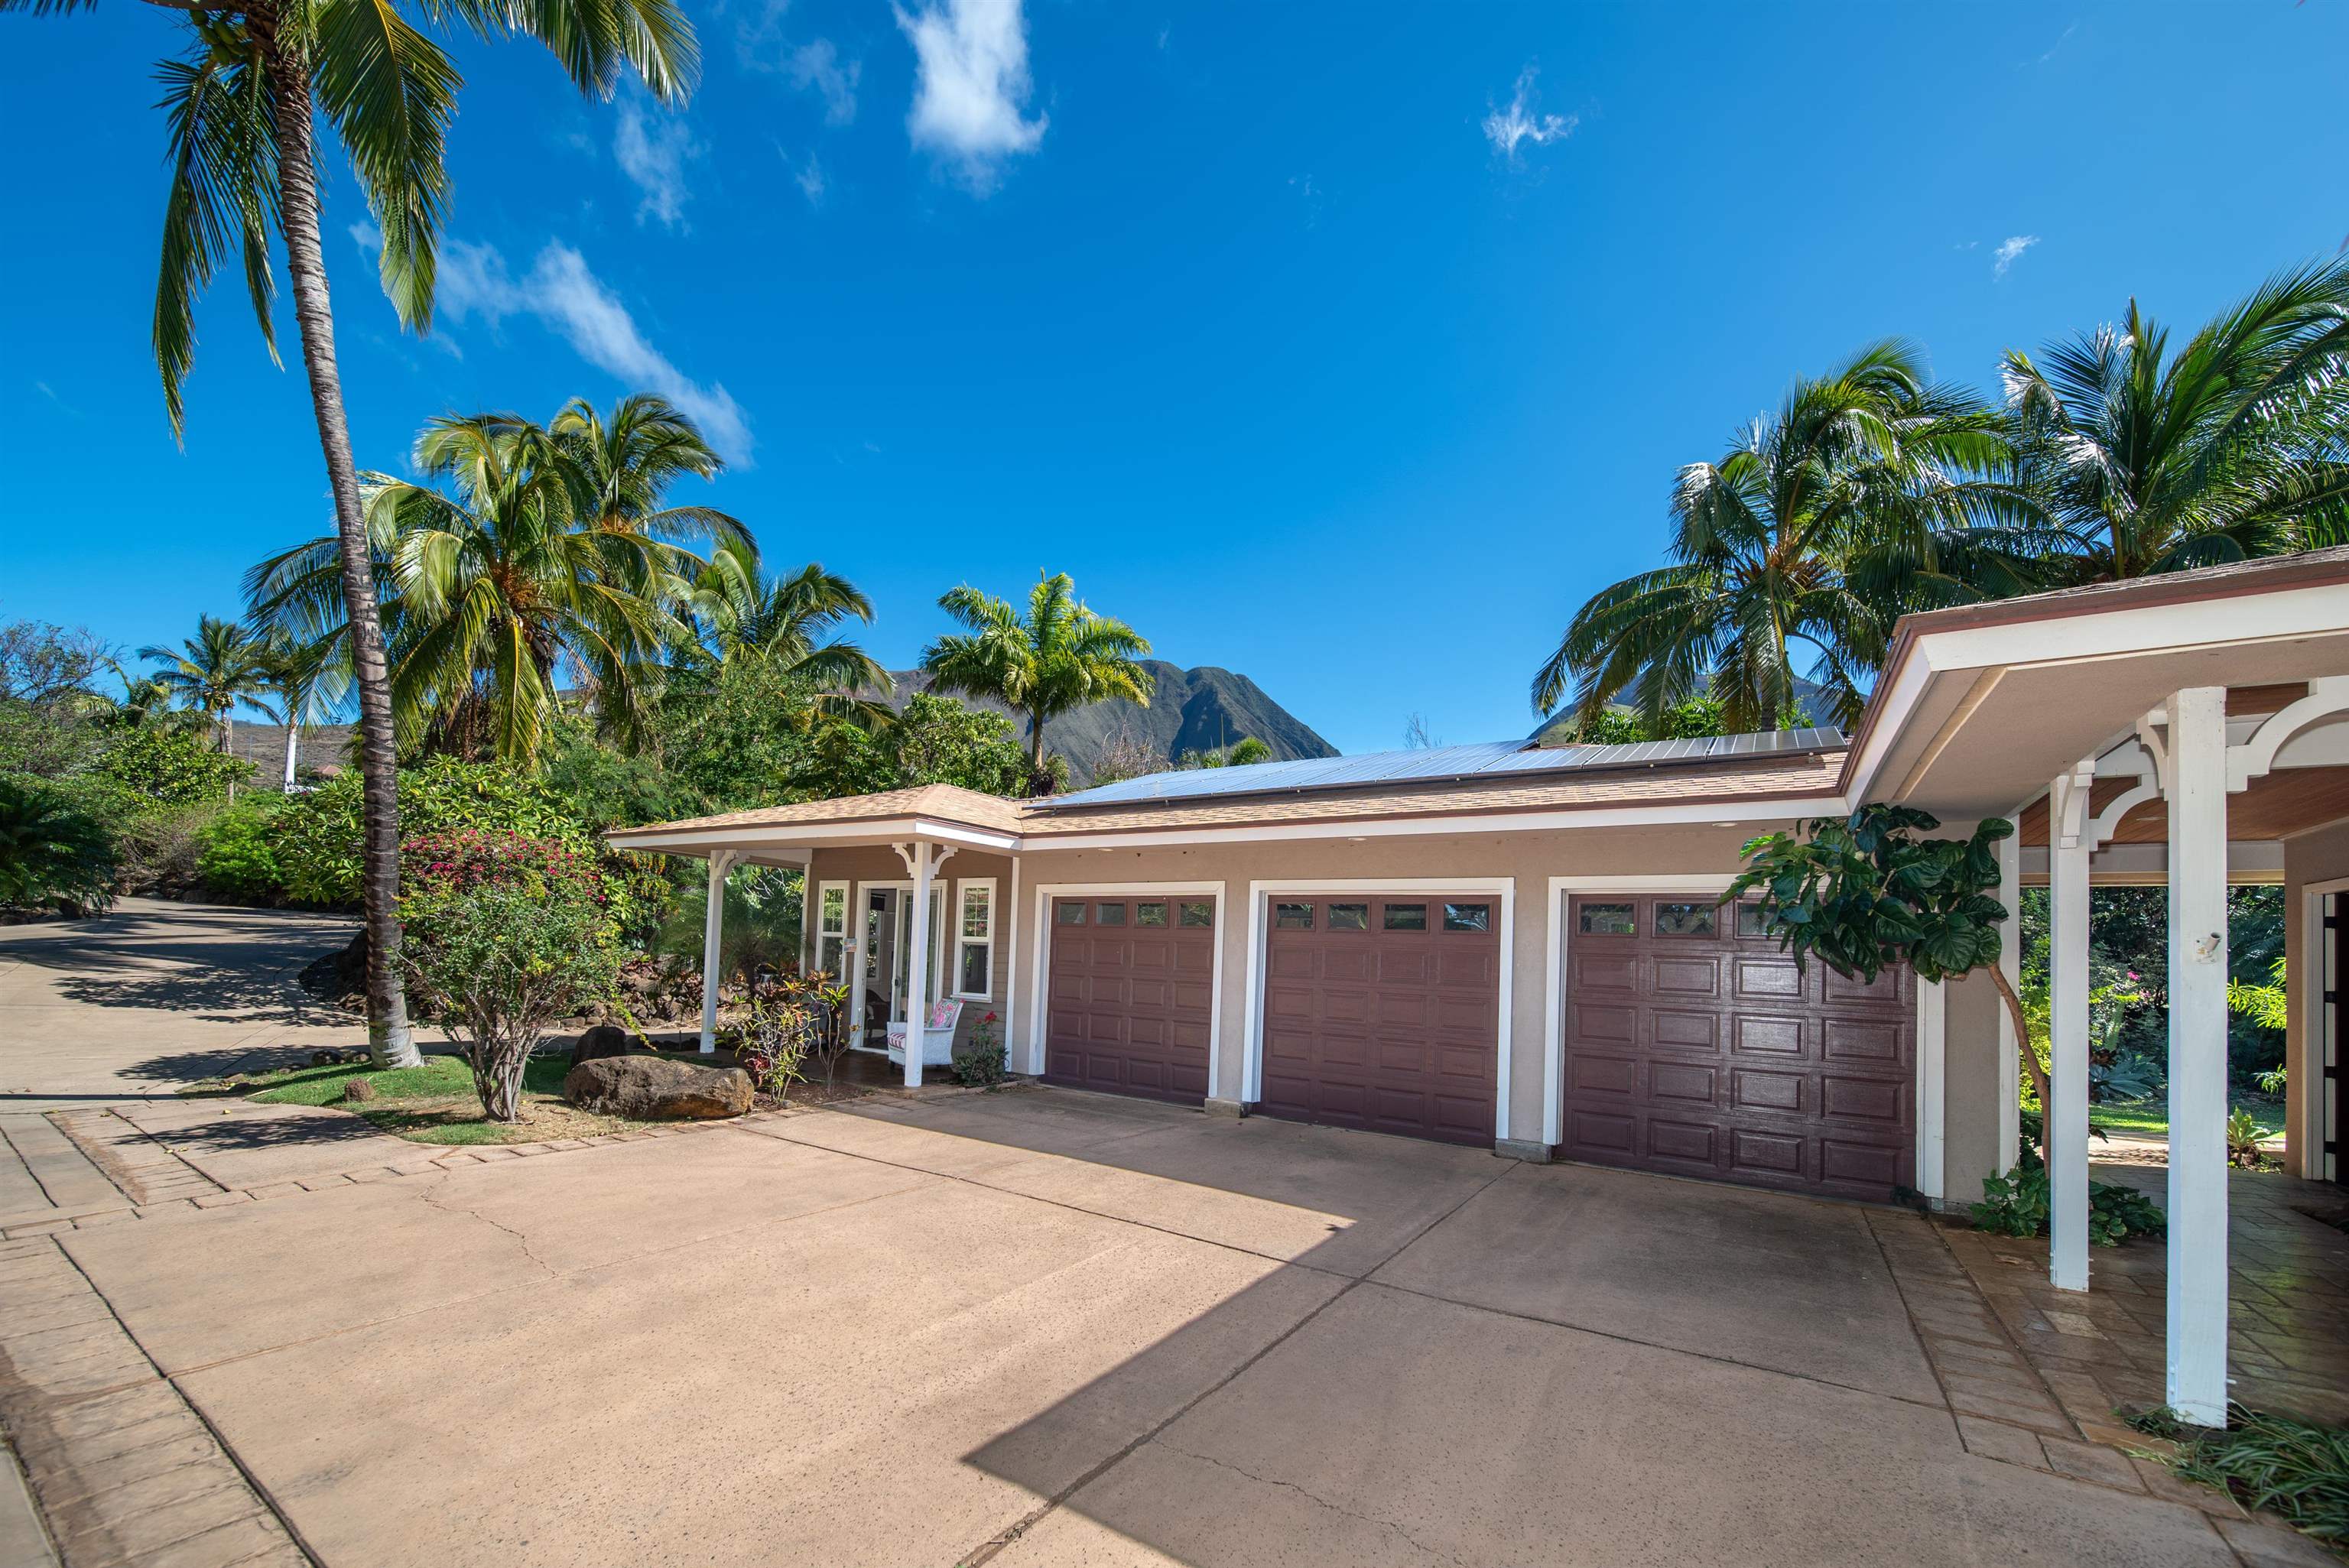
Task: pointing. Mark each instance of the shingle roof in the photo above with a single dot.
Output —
(1801, 776)
(942, 802)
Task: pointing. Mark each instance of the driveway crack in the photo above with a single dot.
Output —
(1316, 1499)
(430, 1196)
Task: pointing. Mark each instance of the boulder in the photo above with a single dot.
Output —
(654, 1088)
(603, 1040)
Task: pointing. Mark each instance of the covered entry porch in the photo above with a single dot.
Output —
(2180, 731)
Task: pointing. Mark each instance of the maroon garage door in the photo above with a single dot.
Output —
(1381, 1013)
(1133, 989)
(1694, 1047)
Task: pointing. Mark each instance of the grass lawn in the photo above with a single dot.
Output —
(2151, 1117)
(435, 1103)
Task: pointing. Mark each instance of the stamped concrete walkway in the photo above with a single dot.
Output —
(1036, 1327)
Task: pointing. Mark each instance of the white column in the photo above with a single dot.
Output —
(2198, 1055)
(720, 863)
(2067, 1118)
(917, 961)
(2010, 963)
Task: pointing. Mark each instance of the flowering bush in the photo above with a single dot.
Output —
(505, 936)
(981, 1061)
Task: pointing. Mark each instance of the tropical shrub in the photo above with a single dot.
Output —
(981, 1061)
(505, 936)
(235, 857)
(777, 1031)
(2019, 1203)
(172, 767)
(2243, 1135)
(54, 855)
(318, 837)
(758, 928)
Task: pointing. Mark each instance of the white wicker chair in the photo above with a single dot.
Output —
(938, 1037)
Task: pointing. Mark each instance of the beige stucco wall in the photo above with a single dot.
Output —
(2318, 857)
(1970, 1048)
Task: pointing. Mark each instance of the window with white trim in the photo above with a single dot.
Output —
(832, 928)
(975, 940)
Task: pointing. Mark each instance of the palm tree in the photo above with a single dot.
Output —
(2236, 446)
(222, 664)
(240, 104)
(1056, 658)
(312, 680)
(502, 583)
(1870, 492)
(777, 621)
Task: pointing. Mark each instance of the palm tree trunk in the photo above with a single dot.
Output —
(293, 745)
(389, 1039)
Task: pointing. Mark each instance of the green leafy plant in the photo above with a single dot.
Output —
(172, 767)
(2292, 1468)
(1865, 891)
(505, 934)
(980, 1061)
(54, 855)
(2262, 1004)
(2018, 1204)
(235, 857)
(777, 1030)
(319, 838)
(2243, 1135)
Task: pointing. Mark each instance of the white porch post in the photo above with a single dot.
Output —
(917, 962)
(2197, 1337)
(720, 863)
(2010, 963)
(2067, 1118)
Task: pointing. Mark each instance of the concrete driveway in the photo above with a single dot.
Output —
(155, 996)
(1048, 1327)
(1028, 1326)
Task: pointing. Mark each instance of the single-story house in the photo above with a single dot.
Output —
(1518, 944)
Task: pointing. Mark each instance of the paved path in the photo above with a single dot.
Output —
(1032, 1327)
(156, 995)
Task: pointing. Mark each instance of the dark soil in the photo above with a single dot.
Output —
(339, 978)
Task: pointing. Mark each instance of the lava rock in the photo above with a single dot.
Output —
(654, 1088)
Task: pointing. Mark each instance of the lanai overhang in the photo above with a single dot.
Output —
(926, 825)
(2140, 720)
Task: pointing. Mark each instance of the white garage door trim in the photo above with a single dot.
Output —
(1041, 960)
(1259, 900)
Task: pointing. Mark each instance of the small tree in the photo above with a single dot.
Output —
(1863, 891)
(505, 934)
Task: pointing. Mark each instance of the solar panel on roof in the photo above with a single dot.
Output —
(1510, 756)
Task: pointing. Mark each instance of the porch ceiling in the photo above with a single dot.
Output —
(2276, 806)
(1988, 737)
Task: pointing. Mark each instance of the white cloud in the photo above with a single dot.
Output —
(973, 67)
(1506, 128)
(2008, 250)
(655, 157)
(366, 236)
(569, 299)
(817, 65)
(809, 177)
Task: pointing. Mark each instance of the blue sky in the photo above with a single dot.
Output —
(1350, 347)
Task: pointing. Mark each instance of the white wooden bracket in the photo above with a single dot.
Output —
(2068, 804)
(2255, 756)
